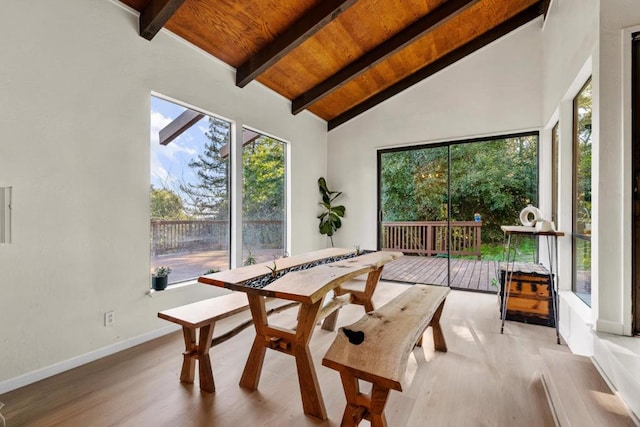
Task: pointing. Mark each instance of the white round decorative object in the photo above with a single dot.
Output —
(526, 216)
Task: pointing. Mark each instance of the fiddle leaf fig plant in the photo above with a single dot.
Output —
(330, 218)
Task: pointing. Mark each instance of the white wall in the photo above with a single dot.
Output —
(618, 19)
(569, 58)
(75, 82)
(495, 90)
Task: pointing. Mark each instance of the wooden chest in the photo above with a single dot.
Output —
(530, 295)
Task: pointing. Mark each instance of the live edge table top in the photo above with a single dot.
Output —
(307, 286)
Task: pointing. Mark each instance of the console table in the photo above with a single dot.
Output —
(551, 237)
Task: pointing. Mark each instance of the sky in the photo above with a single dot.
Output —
(169, 162)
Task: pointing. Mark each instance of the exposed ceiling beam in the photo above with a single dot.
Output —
(419, 28)
(529, 14)
(155, 15)
(546, 5)
(180, 124)
(305, 27)
(248, 136)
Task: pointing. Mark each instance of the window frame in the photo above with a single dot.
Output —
(575, 236)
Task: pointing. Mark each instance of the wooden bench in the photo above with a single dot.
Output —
(376, 349)
(202, 316)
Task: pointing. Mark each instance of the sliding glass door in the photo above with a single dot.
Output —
(414, 207)
(445, 203)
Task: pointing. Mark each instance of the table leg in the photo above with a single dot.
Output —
(253, 368)
(312, 400)
(288, 342)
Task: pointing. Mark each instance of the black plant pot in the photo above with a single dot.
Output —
(159, 283)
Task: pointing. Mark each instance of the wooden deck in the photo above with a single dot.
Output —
(466, 274)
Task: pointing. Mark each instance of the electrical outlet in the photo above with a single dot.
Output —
(109, 318)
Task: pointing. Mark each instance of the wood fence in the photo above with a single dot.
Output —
(183, 236)
(433, 237)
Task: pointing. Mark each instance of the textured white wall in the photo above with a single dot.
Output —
(75, 82)
(495, 90)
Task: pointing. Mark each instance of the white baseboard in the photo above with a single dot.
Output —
(40, 374)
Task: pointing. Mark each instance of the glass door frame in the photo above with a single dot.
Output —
(448, 145)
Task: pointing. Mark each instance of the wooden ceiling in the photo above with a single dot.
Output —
(336, 58)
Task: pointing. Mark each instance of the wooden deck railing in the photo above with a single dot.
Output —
(175, 236)
(432, 237)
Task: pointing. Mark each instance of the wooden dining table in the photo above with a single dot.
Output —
(310, 288)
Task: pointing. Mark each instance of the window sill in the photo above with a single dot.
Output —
(578, 306)
(172, 288)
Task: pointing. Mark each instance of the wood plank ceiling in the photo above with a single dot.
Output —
(336, 58)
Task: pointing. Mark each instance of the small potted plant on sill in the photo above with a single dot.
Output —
(160, 278)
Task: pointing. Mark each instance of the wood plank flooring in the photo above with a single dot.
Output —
(485, 379)
(465, 274)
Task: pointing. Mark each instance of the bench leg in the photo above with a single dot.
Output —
(204, 360)
(198, 350)
(439, 342)
(379, 396)
(188, 372)
(353, 413)
(360, 406)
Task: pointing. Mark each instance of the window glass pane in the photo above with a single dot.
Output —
(189, 191)
(581, 235)
(263, 198)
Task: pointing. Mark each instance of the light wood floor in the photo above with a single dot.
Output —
(486, 379)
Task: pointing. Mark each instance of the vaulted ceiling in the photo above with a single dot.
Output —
(336, 58)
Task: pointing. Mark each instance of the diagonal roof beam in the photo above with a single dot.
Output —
(180, 124)
(529, 14)
(546, 5)
(419, 28)
(155, 15)
(305, 27)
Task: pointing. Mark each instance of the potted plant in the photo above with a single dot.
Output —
(330, 218)
(160, 278)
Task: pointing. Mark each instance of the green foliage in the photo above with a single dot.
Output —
(263, 173)
(211, 271)
(330, 218)
(165, 204)
(583, 160)
(161, 271)
(209, 197)
(251, 259)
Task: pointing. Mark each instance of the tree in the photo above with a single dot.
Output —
(495, 178)
(263, 188)
(208, 198)
(165, 204)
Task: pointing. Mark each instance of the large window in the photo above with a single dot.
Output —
(189, 191)
(263, 197)
(581, 233)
